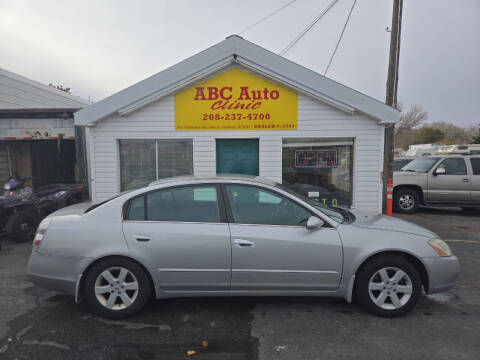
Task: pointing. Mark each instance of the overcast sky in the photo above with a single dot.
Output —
(100, 47)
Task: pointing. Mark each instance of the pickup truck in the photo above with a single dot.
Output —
(449, 180)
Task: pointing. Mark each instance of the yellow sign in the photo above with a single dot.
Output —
(236, 100)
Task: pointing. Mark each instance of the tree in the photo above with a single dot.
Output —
(453, 134)
(429, 135)
(405, 133)
(476, 139)
(60, 87)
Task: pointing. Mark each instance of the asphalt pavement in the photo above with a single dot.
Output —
(38, 324)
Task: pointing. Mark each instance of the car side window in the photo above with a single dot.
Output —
(136, 210)
(454, 166)
(251, 205)
(186, 203)
(475, 165)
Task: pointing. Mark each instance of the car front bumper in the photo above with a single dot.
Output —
(442, 273)
(55, 272)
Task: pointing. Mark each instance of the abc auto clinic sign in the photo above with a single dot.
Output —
(236, 100)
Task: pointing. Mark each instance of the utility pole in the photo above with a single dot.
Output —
(391, 95)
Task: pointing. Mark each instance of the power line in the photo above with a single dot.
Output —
(307, 29)
(267, 17)
(340, 38)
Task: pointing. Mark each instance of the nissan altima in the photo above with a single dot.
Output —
(234, 236)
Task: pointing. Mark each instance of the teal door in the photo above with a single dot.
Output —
(237, 156)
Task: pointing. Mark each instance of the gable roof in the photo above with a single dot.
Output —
(234, 50)
(19, 92)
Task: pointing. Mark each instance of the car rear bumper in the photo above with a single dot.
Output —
(442, 273)
(55, 272)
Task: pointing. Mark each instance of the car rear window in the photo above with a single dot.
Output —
(475, 165)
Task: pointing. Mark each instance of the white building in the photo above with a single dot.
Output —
(238, 108)
(37, 134)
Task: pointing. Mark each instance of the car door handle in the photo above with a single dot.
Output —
(465, 180)
(142, 238)
(243, 243)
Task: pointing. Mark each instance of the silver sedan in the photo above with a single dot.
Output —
(234, 236)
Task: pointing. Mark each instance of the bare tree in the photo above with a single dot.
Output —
(411, 119)
(405, 133)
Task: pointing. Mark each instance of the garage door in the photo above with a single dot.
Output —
(4, 168)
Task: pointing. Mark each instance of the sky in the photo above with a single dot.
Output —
(100, 47)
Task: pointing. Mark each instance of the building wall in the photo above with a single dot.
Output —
(315, 119)
(36, 128)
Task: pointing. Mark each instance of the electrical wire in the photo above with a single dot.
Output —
(267, 17)
(304, 31)
(340, 38)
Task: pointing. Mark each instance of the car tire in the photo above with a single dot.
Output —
(406, 201)
(393, 298)
(21, 225)
(470, 209)
(105, 280)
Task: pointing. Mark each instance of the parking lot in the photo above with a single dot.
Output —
(37, 324)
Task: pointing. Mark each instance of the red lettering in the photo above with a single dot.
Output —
(244, 93)
(256, 105)
(218, 105)
(199, 94)
(212, 93)
(274, 94)
(222, 95)
(265, 93)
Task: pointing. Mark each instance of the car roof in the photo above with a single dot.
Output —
(219, 177)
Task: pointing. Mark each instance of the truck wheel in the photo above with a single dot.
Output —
(388, 286)
(21, 225)
(406, 201)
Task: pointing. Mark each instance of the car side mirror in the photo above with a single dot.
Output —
(440, 171)
(314, 222)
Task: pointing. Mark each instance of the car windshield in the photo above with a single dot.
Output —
(338, 214)
(420, 165)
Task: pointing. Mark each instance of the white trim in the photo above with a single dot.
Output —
(380, 173)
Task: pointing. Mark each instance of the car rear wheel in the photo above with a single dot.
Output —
(406, 201)
(117, 287)
(388, 286)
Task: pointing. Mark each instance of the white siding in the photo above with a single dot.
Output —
(36, 128)
(315, 119)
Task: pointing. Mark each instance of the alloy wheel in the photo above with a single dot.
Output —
(116, 288)
(406, 202)
(390, 288)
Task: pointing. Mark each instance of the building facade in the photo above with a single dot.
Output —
(238, 108)
(37, 133)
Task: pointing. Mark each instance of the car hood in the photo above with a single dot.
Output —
(383, 222)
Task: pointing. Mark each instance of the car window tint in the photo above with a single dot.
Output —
(454, 166)
(475, 165)
(136, 211)
(251, 205)
(187, 203)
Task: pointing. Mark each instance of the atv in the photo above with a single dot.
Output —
(22, 207)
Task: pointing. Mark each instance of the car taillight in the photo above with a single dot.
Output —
(80, 187)
(40, 234)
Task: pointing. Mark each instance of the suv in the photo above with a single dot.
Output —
(448, 180)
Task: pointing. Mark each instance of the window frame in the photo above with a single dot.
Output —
(436, 166)
(229, 208)
(156, 141)
(220, 202)
(471, 165)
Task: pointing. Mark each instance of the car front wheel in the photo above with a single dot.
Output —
(388, 286)
(406, 201)
(117, 287)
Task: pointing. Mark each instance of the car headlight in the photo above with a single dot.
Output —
(440, 246)
(6, 187)
(40, 234)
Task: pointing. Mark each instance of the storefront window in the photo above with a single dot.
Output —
(319, 169)
(139, 166)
